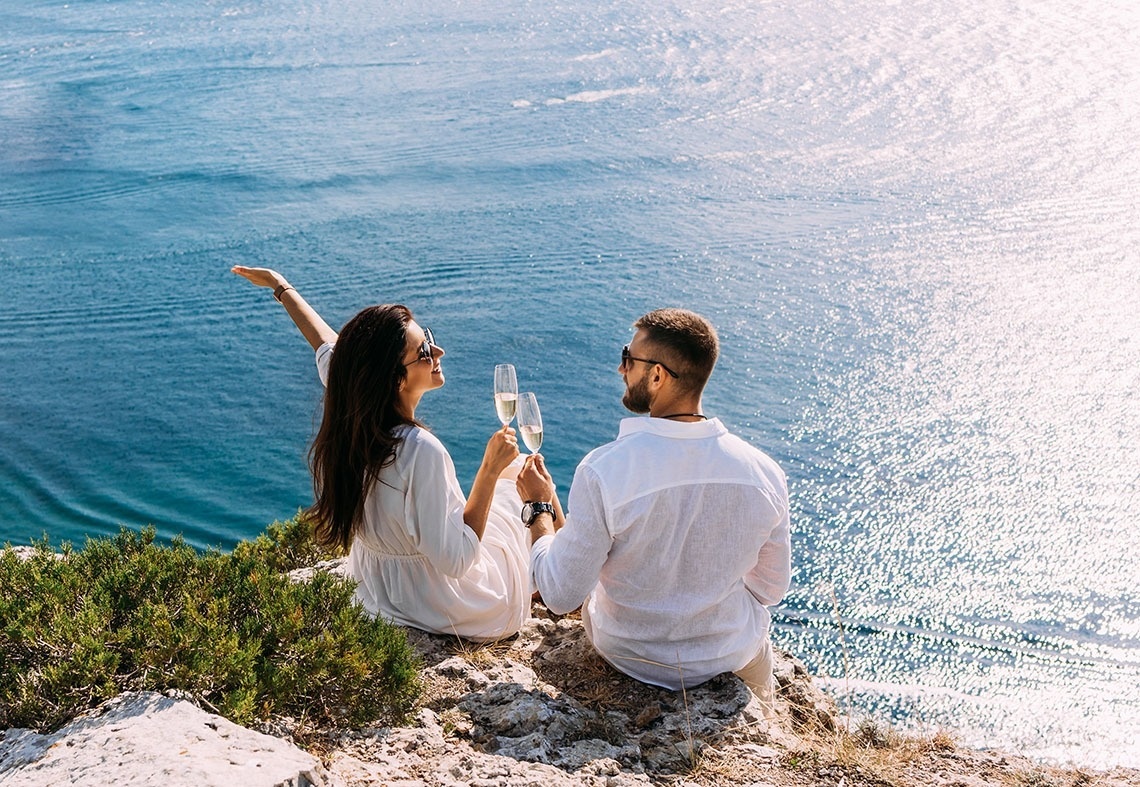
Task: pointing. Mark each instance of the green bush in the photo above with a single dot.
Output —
(125, 613)
(285, 546)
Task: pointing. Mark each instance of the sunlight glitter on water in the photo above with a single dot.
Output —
(984, 490)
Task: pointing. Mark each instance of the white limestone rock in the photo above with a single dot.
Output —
(144, 738)
(336, 566)
(426, 757)
(27, 553)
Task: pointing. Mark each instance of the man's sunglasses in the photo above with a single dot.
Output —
(626, 358)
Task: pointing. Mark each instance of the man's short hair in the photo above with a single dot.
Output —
(687, 339)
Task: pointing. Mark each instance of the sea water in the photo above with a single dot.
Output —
(914, 224)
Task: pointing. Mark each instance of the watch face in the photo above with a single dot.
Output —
(527, 513)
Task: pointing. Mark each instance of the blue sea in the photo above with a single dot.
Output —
(916, 226)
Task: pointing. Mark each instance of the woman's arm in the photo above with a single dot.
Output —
(315, 330)
(502, 449)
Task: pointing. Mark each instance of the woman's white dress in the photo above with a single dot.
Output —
(418, 564)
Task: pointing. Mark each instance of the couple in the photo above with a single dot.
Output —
(676, 538)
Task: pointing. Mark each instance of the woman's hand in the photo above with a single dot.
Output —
(534, 483)
(315, 330)
(262, 277)
(502, 449)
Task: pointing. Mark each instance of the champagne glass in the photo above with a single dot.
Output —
(506, 392)
(530, 422)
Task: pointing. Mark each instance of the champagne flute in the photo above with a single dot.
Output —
(506, 392)
(530, 422)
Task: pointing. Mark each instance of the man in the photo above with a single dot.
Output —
(677, 534)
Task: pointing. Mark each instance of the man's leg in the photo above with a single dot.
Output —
(757, 675)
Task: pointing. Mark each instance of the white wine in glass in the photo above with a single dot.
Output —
(530, 422)
(506, 392)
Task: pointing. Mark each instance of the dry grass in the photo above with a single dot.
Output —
(482, 655)
(713, 767)
(881, 751)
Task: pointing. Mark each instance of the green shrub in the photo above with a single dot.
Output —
(125, 613)
(286, 546)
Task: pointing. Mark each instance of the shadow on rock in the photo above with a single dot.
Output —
(663, 729)
(546, 696)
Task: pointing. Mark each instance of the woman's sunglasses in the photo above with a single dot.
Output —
(425, 353)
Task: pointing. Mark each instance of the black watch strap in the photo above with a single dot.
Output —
(532, 510)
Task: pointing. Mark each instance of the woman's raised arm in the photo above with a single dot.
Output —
(315, 330)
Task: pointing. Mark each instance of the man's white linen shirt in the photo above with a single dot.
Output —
(676, 541)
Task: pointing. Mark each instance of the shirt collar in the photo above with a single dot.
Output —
(669, 428)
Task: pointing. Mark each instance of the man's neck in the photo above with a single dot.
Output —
(678, 410)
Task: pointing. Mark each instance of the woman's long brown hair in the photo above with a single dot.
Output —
(356, 439)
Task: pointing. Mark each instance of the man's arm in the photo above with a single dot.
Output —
(315, 330)
(566, 566)
(534, 484)
(770, 578)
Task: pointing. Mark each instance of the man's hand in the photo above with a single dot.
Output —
(534, 483)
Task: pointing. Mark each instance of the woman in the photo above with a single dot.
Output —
(422, 554)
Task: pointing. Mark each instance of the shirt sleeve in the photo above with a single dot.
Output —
(433, 510)
(770, 578)
(324, 358)
(565, 567)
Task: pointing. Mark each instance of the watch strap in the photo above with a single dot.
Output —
(536, 509)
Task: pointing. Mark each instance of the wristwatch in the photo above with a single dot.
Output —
(530, 511)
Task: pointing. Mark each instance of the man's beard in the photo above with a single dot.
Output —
(636, 398)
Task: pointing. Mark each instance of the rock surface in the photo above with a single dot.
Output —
(143, 738)
(544, 709)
